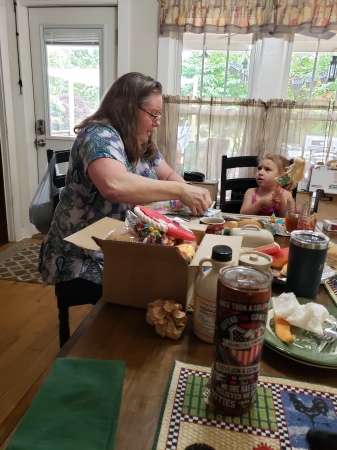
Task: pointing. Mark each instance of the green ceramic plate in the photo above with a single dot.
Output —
(306, 348)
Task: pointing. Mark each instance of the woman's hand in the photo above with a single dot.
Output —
(196, 198)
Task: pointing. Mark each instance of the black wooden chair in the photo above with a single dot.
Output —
(238, 185)
(76, 292)
(59, 180)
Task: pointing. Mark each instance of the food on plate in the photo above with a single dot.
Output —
(309, 316)
(331, 258)
(231, 224)
(244, 222)
(283, 271)
(280, 258)
(269, 249)
(282, 329)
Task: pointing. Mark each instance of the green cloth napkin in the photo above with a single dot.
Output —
(76, 408)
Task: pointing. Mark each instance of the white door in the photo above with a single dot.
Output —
(74, 60)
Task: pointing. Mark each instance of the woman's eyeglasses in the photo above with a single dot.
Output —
(154, 116)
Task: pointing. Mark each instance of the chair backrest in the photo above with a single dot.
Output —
(238, 186)
(59, 179)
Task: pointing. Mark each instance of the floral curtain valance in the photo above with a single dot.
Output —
(247, 16)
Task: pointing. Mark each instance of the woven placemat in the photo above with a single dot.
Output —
(331, 287)
(283, 413)
(19, 263)
(276, 227)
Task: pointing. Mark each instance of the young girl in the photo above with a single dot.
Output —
(270, 197)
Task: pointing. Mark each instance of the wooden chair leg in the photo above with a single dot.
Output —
(64, 329)
(319, 195)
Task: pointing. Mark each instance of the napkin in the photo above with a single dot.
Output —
(76, 408)
(167, 318)
(309, 316)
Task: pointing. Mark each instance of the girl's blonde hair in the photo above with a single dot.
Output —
(282, 164)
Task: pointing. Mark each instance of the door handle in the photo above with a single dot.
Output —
(40, 143)
(40, 127)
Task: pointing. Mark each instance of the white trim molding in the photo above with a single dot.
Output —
(63, 3)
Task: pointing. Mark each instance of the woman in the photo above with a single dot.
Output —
(114, 164)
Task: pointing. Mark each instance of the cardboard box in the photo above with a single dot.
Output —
(327, 207)
(322, 178)
(136, 274)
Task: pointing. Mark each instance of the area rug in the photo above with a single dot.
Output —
(283, 413)
(19, 263)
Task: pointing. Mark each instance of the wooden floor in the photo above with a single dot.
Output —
(28, 340)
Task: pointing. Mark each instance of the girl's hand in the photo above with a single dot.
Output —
(278, 198)
(267, 201)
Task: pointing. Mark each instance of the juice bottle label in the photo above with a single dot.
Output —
(204, 318)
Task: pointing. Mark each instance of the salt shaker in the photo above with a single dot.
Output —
(307, 256)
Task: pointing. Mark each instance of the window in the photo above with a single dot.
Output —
(215, 65)
(308, 75)
(73, 77)
(219, 66)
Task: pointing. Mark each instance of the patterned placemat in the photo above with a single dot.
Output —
(276, 227)
(19, 263)
(283, 413)
(331, 287)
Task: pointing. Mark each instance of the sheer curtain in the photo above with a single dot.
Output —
(195, 133)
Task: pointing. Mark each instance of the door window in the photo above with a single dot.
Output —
(73, 77)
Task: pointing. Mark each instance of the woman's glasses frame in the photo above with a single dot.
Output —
(154, 116)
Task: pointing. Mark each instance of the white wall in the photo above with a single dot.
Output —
(137, 51)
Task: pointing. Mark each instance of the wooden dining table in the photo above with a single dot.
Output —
(113, 332)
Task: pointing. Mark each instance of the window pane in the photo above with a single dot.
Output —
(73, 85)
(204, 65)
(305, 80)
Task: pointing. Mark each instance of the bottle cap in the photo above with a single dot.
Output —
(221, 253)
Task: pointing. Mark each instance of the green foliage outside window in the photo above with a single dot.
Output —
(301, 70)
(86, 97)
(214, 74)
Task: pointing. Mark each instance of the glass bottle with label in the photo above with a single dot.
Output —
(206, 291)
(242, 307)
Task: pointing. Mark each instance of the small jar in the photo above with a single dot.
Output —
(257, 260)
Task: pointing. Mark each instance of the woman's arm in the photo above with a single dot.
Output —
(165, 172)
(117, 185)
